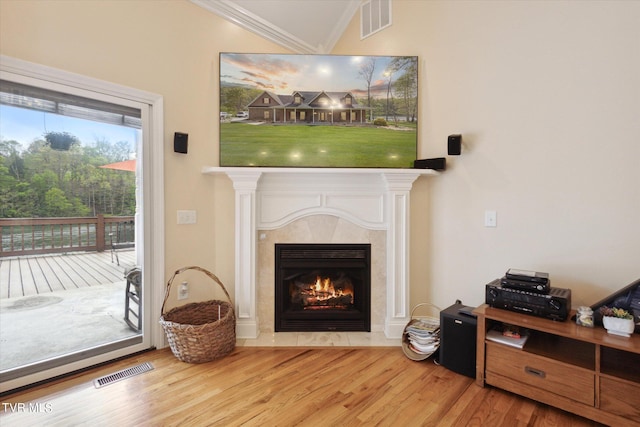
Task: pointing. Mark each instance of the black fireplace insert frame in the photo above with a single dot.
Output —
(318, 256)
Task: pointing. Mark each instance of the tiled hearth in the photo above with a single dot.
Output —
(320, 339)
(275, 205)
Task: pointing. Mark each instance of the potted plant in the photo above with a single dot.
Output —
(617, 321)
(61, 141)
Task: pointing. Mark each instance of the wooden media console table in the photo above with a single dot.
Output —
(582, 370)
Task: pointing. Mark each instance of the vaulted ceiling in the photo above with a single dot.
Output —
(303, 26)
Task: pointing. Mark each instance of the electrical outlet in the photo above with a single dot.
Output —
(490, 219)
(183, 291)
(186, 217)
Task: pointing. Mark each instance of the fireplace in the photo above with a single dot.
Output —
(269, 199)
(322, 287)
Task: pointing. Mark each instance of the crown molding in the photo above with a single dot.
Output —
(230, 11)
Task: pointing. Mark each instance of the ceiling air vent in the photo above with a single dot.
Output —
(375, 15)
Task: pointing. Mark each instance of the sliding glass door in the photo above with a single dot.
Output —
(74, 289)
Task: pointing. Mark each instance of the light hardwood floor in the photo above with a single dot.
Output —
(327, 386)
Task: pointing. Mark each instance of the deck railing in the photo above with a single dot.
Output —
(31, 236)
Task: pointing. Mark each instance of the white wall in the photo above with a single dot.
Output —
(547, 98)
(546, 95)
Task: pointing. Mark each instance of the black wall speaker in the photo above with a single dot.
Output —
(454, 145)
(180, 142)
(458, 340)
(438, 163)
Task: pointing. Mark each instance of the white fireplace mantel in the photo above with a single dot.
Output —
(270, 198)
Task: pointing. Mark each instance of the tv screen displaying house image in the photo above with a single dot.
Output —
(333, 111)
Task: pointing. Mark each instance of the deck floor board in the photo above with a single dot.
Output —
(5, 266)
(29, 286)
(15, 280)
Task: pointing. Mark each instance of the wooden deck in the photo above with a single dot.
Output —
(41, 274)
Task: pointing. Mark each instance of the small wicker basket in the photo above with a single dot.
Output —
(201, 331)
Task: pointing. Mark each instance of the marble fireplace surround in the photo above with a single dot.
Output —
(367, 205)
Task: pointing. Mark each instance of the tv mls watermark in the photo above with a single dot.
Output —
(31, 407)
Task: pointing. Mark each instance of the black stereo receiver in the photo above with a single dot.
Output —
(524, 285)
(555, 305)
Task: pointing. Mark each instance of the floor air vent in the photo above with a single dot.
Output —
(122, 375)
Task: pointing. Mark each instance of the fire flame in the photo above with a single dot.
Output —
(323, 293)
(324, 290)
(323, 285)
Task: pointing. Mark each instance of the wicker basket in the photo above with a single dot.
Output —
(407, 348)
(201, 331)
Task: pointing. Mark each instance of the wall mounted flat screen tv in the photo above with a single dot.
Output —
(332, 111)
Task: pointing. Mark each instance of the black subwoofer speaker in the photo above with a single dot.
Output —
(458, 339)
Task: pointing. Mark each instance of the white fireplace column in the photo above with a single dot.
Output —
(270, 198)
(245, 183)
(397, 210)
